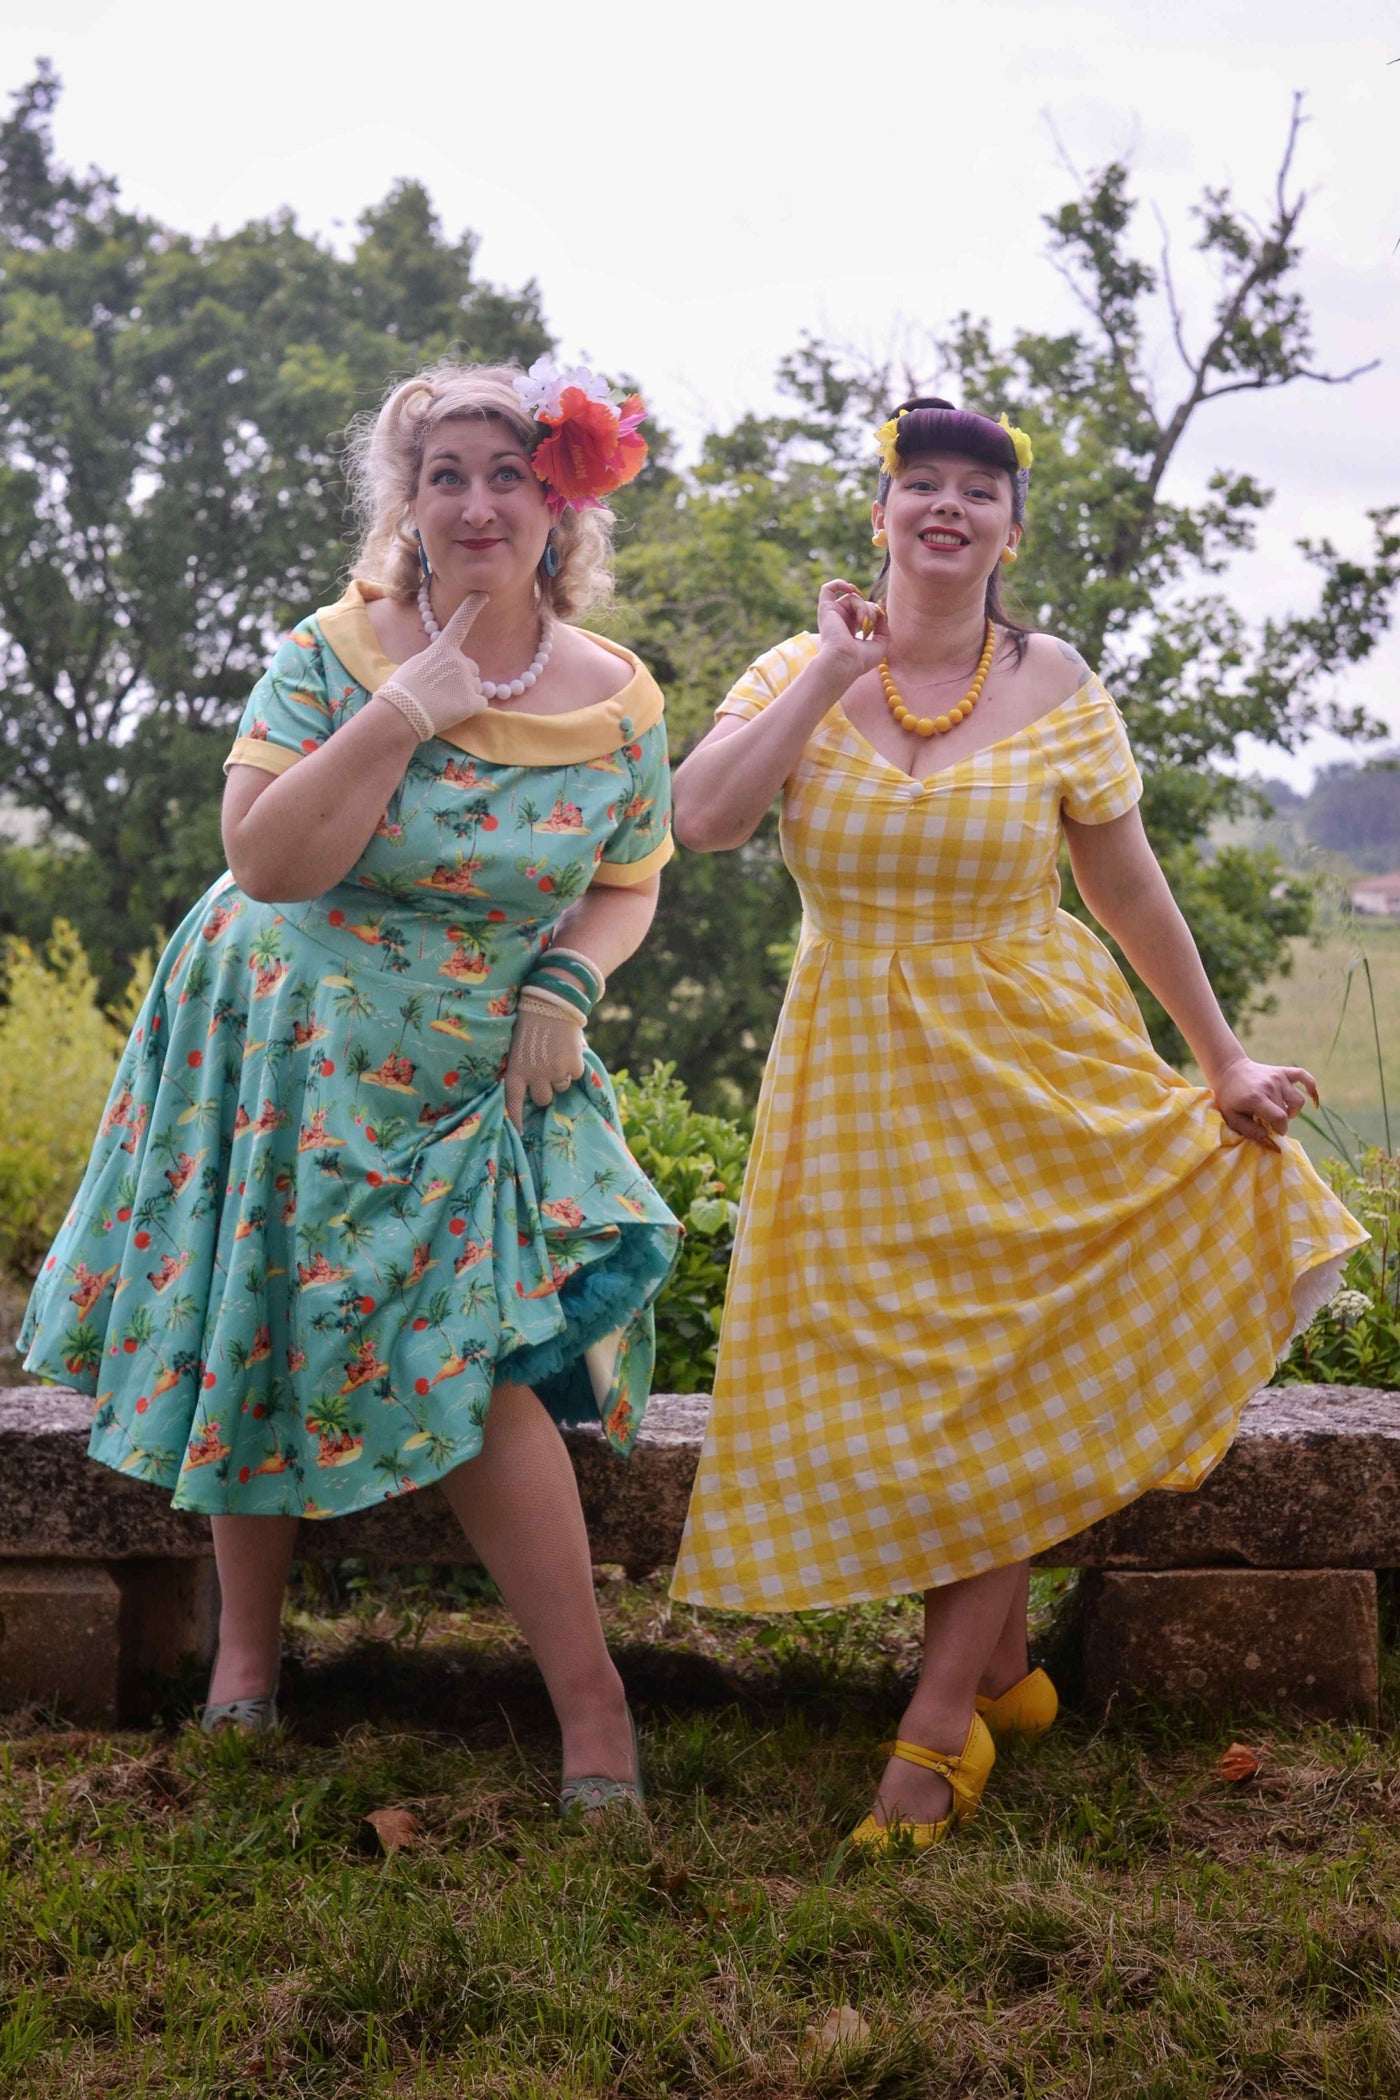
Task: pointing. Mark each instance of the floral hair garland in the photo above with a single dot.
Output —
(886, 438)
(590, 445)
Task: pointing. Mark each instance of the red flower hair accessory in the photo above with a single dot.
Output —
(592, 445)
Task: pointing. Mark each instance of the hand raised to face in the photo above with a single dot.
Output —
(439, 687)
(853, 629)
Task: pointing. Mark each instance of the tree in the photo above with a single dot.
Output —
(1112, 562)
(171, 494)
(1355, 810)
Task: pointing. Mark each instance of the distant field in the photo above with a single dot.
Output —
(1310, 1003)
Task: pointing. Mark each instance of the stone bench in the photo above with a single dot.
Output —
(1259, 1589)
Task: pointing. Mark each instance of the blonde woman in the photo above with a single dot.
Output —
(1000, 1268)
(360, 1216)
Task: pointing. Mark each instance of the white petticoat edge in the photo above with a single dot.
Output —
(1314, 1289)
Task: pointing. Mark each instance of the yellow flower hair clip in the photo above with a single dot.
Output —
(885, 440)
(1024, 451)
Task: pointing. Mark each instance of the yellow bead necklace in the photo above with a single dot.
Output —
(939, 725)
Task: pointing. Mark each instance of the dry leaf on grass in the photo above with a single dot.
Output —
(842, 2029)
(394, 1827)
(1239, 1762)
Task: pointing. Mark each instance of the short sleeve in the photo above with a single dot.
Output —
(769, 675)
(289, 711)
(1099, 778)
(641, 843)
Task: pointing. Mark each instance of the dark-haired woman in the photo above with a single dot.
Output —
(1000, 1268)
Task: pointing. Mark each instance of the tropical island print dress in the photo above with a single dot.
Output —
(999, 1267)
(309, 1240)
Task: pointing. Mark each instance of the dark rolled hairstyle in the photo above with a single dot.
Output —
(928, 424)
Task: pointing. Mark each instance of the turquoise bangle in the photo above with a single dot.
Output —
(562, 987)
(583, 972)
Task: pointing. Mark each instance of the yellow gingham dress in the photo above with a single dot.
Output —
(999, 1267)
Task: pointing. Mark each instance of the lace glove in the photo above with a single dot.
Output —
(439, 686)
(546, 1051)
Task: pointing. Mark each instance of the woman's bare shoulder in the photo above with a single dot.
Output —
(396, 627)
(1054, 669)
(597, 670)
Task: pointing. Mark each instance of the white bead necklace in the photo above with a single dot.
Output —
(493, 688)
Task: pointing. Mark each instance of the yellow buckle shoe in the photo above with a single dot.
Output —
(1027, 1707)
(967, 1774)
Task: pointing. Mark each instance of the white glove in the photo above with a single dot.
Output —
(439, 687)
(546, 1051)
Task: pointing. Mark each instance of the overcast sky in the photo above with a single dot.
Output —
(694, 191)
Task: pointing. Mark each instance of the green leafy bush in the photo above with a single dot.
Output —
(58, 1054)
(1356, 1339)
(697, 1163)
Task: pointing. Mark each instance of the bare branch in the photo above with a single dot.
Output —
(1169, 286)
(1295, 125)
(1245, 386)
(1062, 151)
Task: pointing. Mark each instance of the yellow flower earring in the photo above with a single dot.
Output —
(878, 538)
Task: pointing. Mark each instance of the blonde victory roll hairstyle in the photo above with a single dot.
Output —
(383, 460)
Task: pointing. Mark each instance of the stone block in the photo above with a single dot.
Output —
(1311, 1481)
(169, 1618)
(1225, 1640)
(60, 1625)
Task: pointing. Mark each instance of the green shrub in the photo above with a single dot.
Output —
(58, 1054)
(697, 1163)
(1356, 1339)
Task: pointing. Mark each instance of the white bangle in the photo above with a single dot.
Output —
(413, 713)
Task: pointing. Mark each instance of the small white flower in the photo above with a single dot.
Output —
(541, 389)
(1348, 1307)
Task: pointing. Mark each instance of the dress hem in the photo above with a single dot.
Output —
(1304, 1303)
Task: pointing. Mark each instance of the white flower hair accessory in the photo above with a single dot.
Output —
(541, 389)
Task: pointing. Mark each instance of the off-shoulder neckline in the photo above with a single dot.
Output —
(505, 736)
(1013, 736)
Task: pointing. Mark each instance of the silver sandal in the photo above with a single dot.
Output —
(249, 1716)
(580, 1797)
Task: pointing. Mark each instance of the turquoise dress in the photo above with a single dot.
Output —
(310, 1241)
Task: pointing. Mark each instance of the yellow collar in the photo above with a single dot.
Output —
(502, 736)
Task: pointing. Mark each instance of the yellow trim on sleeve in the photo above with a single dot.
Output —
(621, 874)
(261, 752)
(506, 736)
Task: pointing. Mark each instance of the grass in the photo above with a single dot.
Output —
(1323, 1025)
(179, 1916)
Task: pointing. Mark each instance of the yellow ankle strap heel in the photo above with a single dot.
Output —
(1027, 1707)
(967, 1775)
